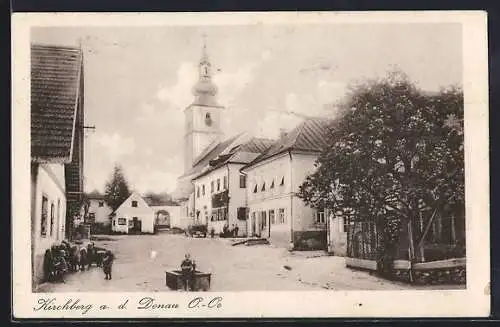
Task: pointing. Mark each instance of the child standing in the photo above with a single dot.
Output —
(107, 264)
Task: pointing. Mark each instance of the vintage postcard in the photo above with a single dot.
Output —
(201, 165)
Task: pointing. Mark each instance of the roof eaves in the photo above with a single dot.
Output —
(263, 158)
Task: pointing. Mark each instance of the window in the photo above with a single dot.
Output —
(52, 217)
(203, 190)
(320, 217)
(263, 220)
(272, 184)
(114, 222)
(122, 221)
(218, 184)
(255, 189)
(281, 216)
(346, 222)
(92, 217)
(282, 181)
(198, 192)
(272, 219)
(212, 187)
(101, 204)
(243, 181)
(43, 220)
(134, 204)
(225, 183)
(263, 187)
(242, 213)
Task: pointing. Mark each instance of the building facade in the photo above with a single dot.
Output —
(56, 147)
(273, 180)
(98, 211)
(134, 215)
(220, 190)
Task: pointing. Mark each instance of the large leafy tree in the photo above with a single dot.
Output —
(393, 148)
(117, 188)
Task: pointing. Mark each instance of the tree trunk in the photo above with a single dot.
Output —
(411, 247)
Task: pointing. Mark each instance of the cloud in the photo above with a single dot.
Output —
(179, 95)
(115, 145)
(271, 123)
(145, 178)
(330, 91)
(230, 84)
(265, 55)
(160, 114)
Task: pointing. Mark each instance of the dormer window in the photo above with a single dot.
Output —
(272, 184)
(263, 187)
(255, 189)
(282, 181)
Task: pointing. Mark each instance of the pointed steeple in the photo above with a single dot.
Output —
(205, 90)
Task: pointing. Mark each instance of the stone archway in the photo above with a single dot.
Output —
(162, 219)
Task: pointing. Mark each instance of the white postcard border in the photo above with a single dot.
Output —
(474, 301)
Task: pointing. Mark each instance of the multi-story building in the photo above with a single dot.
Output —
(220, 189)
(273, 179)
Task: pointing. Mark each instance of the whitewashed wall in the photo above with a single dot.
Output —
(48, 181)
(101, 213)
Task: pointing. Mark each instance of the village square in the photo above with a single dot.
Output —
(367, 195)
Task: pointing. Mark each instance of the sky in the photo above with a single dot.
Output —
(138, 80)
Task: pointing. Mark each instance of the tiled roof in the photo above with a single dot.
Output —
(241, 153)
(55, 83)
(204, 161)
(310, 135)
(257, 145)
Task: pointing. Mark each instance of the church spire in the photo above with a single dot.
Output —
(205, 90)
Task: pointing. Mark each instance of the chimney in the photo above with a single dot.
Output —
(283, 132)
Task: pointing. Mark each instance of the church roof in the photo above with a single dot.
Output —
(310, 135)
(204, 159)
(240, 153)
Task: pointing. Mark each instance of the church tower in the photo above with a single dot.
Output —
(203, 116)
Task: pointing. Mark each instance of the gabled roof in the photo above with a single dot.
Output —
(311, 135)
(216, 150)
(134, 196)
(55, 84)
(240, 153)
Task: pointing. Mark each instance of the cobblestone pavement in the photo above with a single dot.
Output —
(141, 262)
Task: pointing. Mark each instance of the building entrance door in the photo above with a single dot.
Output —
(263, 224)
(253, 224)
(136, 225)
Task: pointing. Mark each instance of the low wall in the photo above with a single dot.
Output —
(309, 240)
(451, 271)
